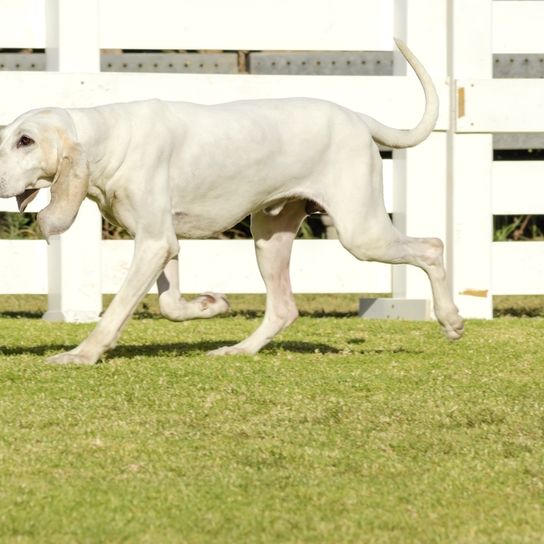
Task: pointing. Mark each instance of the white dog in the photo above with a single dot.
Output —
(169, 170)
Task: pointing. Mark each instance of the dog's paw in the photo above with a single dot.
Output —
(212, 304)
(70, 358)
(454, 328)
(452, 323)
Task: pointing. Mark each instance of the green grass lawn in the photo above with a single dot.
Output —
(342, 430)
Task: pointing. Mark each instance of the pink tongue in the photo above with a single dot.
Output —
(25, 198)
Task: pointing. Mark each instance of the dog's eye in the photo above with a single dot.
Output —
(24, 141)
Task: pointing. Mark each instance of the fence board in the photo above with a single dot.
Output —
(247, 25)
(40, 202)
(517, 27)
(518, 268)
(317, 266)
(518, 187)
(24, 267)
(385, 98)
(502, 105)
(229, 266)
(187, 24)
(22, 24)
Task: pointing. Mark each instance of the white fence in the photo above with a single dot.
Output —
(447, 187)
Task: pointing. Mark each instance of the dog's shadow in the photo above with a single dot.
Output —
(183, 349)
(178, 349)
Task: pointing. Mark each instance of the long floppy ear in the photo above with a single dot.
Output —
(68, 190)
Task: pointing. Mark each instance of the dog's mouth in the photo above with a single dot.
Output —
(28, 195)
(25, 198)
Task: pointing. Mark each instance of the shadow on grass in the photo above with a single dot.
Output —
(48, 349)
(21, 314)
(177, 349)
(259, 314)
(145, 314)
(518, 312)
(181, 349)
(390, 351)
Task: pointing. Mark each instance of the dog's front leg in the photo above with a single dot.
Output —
(149, 259)
(175, 308)
(274, 237)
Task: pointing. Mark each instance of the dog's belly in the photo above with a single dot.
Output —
(194, 225)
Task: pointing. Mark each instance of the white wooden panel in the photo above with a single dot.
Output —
(74, 269)
(216, 24)
(502, 105)
(421, 25)
(22, 23)
(388, 184)
(247, 24)
(24, 267)
(469, 249)
(518, 187)
(469, 166)
(397, 101)
(74, 293)
(518, 268)
(40, 202)
(517, 27)
(419, 205)
(72, 36)
(229, 266)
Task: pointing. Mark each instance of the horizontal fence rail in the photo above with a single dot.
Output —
(385, 98)
(318, 266)
(501, 105)
(185, 24)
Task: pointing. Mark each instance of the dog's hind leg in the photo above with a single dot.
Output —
(425, 253)
(175, 308)
(365, 230)
(274, 235)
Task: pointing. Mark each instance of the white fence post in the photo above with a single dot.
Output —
(74, 290)
(420, 173)
(470, 162)
(420, 181)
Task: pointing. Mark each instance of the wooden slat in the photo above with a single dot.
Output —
(397, 101)
(216, 24)
(229, 266)
(318, 266)
(388, 184)
(502, 105)
(518, 268)
(518, 187)
(517, 27)
(22, 24)
(247, 24)
(40, 202)
(24, 267)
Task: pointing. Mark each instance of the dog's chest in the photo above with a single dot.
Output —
(110, 208)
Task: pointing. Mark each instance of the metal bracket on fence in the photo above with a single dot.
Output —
(330, 63)
(206, 63)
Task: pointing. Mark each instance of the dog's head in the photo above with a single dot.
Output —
(39, 150)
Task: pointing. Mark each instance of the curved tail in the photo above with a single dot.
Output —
(396, 138)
